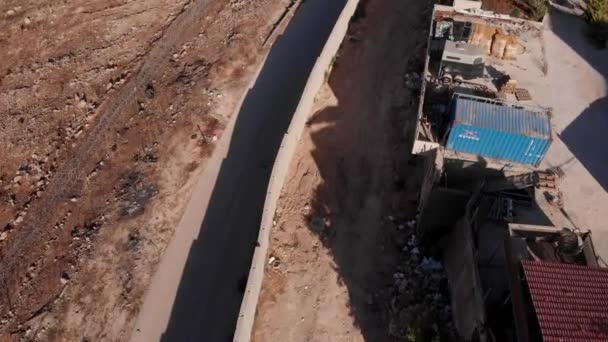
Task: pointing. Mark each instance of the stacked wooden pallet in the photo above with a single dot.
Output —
(522, 94)
(509, 87)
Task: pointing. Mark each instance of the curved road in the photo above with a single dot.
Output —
(196, 293)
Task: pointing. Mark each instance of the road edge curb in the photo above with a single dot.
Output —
(316, 79)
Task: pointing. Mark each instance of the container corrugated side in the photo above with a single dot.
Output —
(497, 144)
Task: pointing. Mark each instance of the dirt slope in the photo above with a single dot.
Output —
(334, 246)
(108, 110)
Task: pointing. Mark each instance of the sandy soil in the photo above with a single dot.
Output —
(333, 248)
(108, 111)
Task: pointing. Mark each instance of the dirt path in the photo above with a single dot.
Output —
(108, 110)
(333, 249)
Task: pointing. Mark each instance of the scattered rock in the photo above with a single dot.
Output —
(150, 92)
(133, 239)
(12, 199)
(64, 278)
(87, 230)
(317, 223)
(82, 104)
(19, 218)
(236, 5)
(148, 155)
(126, 279)
(306, 209)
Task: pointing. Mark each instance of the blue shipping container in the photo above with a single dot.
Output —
(498, 130)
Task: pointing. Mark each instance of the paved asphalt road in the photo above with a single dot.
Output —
(197, 291)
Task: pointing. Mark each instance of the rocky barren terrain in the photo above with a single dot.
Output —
(108, 111)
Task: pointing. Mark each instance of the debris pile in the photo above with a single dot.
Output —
(413, 80)
(134, 193)
(148, 154)
(419, 308)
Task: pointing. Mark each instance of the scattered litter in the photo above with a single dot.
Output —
(554, 198)
(416, 297)
(413, 241)
(274, 262)
(429, 264)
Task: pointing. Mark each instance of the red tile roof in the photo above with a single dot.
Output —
(570, 301)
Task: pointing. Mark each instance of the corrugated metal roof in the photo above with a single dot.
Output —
(570, 301)
(505, 118)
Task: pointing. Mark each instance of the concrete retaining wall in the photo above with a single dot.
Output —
(279, 171)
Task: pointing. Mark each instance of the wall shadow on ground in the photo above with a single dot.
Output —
(361, 152)
(587, 135)
(212, 284)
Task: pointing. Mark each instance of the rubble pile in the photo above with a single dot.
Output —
(419, 308)
(134, 193)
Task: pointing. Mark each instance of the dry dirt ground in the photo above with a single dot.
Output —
(108, 110)
(351, 188)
